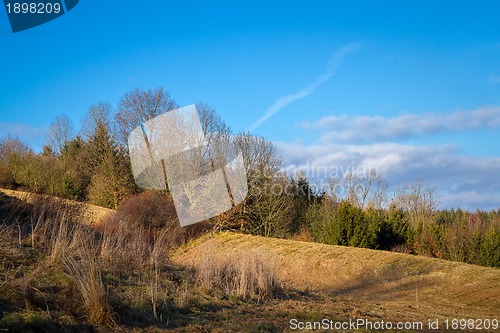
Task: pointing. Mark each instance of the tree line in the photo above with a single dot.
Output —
(93, 165)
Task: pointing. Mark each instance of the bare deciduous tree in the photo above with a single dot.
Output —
(272, 206)
(12, 146)
(217, 133)
(12, 152)
(138, 106)
(419, 199)
(366, 189)
(60, 133)
(259, 155)
(98, 115)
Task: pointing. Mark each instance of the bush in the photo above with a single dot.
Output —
(150, 209)
(347, 225)
(147, 213)
(394, 230)
(6, 178)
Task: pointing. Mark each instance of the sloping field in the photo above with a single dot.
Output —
(404, 285)
(91, 214)
(339, 282)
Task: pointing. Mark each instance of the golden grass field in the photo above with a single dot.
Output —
(395, 284)
(325, 281)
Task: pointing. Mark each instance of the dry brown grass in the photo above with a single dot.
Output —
(87, 275)
(122, 254)
(249, 275)
(90, 214)
(399, 281)
(50, 227)
(124, 248)
(133, 264)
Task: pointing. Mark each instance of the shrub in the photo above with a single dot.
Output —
(6, 178)
(144, 223)
(150, 209)
(347, 225)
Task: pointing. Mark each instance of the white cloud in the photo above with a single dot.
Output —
(360, 143)
(283, 101)
(390, 159)
(345, 128)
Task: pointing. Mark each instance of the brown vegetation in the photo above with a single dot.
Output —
(401, 282)
(249, 274)
(77, 278)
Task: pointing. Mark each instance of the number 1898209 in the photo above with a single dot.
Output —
(33, 8)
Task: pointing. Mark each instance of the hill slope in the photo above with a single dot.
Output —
(412, 285)
(341, 282)
(91, 213)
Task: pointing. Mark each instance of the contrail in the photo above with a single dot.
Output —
(283, 101)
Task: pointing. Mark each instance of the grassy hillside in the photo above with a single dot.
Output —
(91, 213)
(72, 277)
(395, 284)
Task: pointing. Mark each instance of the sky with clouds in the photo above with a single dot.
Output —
(409, 88)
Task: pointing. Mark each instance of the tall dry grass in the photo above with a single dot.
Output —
(76, 246)
(248, 274)
(120, 269)
(87, 275)
(130, 248)
(51, 226)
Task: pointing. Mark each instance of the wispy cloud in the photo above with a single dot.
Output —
(21, 130)
(346, 128)
(494, 79)
(33, 135)
(331, 68)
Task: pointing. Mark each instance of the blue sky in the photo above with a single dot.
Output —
(411, 88)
